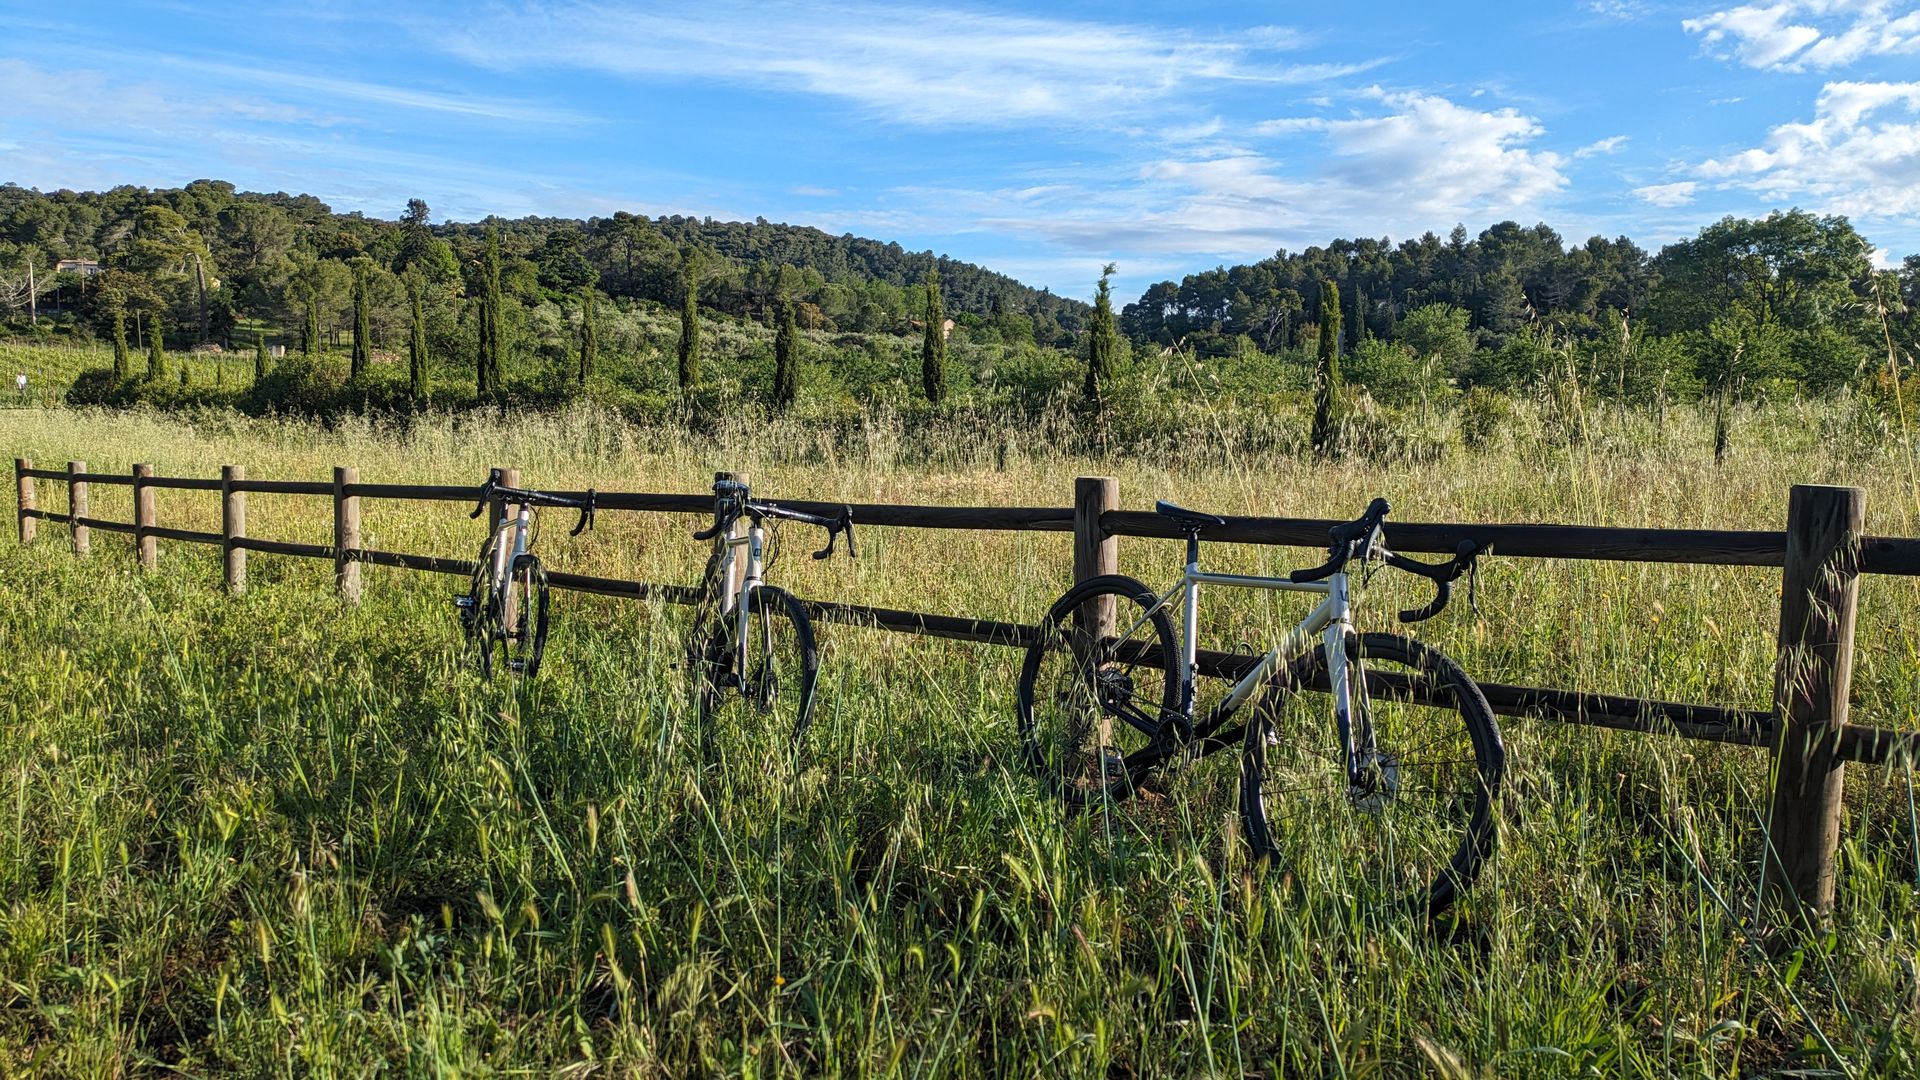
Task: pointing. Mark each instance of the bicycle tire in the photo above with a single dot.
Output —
(784, 636)
(480, 619)
(525, 642)
(1085, 712)
(1372, 842)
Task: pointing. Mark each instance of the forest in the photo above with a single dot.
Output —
(540, 309)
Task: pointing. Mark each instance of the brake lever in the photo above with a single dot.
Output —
(486, 492)
(586, 516)
(844, 524)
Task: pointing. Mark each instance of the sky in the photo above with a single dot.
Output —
(1039, 141)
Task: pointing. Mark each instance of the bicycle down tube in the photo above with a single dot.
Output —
(1332, 618)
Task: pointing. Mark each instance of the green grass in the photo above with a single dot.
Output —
(274, 835)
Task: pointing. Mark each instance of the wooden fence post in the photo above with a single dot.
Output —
(23, 485)
(233, 526)
(346, 534)
(77, 508)
(496, 514)
(1095, 552)
(1818, 590)
(144, 541)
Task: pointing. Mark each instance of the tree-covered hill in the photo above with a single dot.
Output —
(1791, 296)
(206, 257)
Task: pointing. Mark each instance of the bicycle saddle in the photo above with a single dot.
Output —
(1186, 519)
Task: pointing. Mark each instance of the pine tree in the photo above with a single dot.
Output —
(1326, 398)
(689, 321)
(122, 363)
(786, 359)
(416, 344)
(1103, 338)
(933, 347)
(362, 328)
(156, 353)
(259, 357)
(589, 337)
(492, 320)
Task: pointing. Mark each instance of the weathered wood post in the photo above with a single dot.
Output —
(233, 526)
(77, 508)
(23, 486)
(1095, 552)
(1818, 590)
(346, 534)
(496, 514)
(144, 542)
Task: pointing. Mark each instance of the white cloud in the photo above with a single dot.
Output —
(911, 63)
(1416, 162)
(1859, 155)
(1668, 196)
(1795, 35)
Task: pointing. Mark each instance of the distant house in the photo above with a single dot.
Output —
(83, 267)
(946, 327)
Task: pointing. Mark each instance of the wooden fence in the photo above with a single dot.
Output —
(1820, 555)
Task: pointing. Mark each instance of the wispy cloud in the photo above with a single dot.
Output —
(1796, 35)
(1668, 196)
(911, 64)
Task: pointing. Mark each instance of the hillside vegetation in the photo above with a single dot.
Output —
(674, 314)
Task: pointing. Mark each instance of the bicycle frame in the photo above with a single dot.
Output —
(1331, 619)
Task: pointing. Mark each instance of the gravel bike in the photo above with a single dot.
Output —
(1391, 803)
(506, 607)
(752, 642)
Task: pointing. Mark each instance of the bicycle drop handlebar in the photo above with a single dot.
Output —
(1365, 537)
(730, 500)
(494, 489)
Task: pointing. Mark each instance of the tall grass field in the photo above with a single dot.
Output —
(278, 835)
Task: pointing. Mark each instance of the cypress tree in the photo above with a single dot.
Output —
(786, 359)
(689, 321)
(122, 363)
(416, 345)
(362, 329)
(156, 353)
(589, 337)
(933, 346)
(1326, 397)
(259, 357)
(1103, 338)
(492, 320)
(310, 339)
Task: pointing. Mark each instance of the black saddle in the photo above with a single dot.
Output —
(1186, 519)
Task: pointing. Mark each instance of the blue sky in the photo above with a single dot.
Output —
(1166, 138)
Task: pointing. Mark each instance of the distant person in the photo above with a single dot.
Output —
(20, 383)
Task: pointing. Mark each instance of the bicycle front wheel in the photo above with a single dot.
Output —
(523, 617)
(772, 678)
(1413, 830)
(1087, 706)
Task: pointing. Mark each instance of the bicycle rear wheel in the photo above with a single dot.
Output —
(1414, 832)
(776, 683)
(1085, 707)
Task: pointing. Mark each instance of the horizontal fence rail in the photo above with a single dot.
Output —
(1813, 667)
